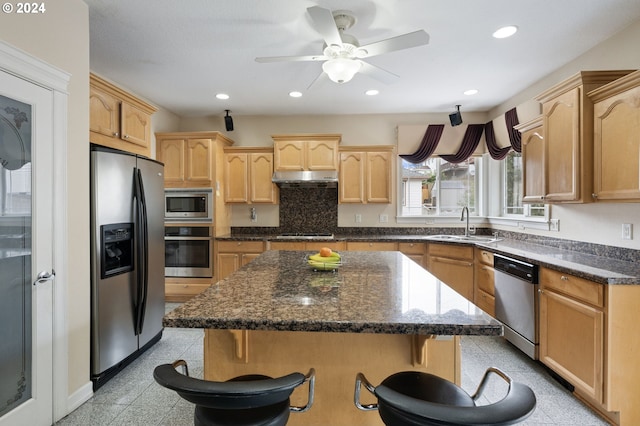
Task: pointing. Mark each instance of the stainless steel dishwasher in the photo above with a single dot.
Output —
(516, 297)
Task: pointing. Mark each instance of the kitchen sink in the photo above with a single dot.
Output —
(465, 238)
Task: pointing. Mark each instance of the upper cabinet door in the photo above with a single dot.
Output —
(199, 166)
(236, 172)
(135, 125)
(351, 182)
(617, 140)
(562, 136)
(322, 155)
(290, 155)
(533, 169)
(171, 152)
(263, 190)
(379, 177)
(104, 113)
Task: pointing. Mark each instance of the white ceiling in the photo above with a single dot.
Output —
(179, 54)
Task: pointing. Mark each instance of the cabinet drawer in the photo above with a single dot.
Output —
(486, 302)
(412, 248)
(451, 251)
(484, 256)
(240, 246)
(579, 288)
(484, 278)
(181, 292)
(371, 246)
(286, 245)
(317, 245)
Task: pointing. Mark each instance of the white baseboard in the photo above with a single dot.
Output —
(79, 397)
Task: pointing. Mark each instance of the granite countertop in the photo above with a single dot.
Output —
(372, 292)
(600, 269)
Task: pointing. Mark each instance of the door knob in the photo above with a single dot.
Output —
(45, 276)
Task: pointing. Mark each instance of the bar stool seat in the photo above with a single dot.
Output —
(251, 400)
(412, 398)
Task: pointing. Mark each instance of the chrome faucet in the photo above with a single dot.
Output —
(466, 229)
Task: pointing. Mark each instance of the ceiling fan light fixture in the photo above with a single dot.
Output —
(341, 70)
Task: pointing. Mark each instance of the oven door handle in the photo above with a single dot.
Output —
(187, 238)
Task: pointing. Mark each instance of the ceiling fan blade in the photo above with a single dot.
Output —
(378, 73)
(291, 58)
(324, 23)
(405, 41)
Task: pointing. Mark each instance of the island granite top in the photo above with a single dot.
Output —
(371, 292)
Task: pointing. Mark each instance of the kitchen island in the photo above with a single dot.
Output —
(378, 313)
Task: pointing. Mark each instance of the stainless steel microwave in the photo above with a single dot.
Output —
(188, 204)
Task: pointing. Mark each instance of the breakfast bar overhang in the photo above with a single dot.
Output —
(378, 313)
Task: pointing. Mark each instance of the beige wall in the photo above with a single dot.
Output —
(60, 37)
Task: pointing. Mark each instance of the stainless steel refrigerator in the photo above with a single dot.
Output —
(127, 259)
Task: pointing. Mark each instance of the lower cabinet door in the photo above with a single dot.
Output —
(571, 342)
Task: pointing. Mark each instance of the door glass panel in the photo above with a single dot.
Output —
(15, 254)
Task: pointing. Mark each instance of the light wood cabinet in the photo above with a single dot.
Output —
(572, 330)
(191, 160)
(371, 246)
(453, 265)
(247, 176)
(617, 139)
(118, 119)
(307, 245)
(484, 291)
(366, 174)
(415, 251)
(568, 136)
(183, 289)
(232, 255)
(297, 152)
(533, 169)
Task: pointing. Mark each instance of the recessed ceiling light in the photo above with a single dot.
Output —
(470, 92)
(295, 94)
(371, 92)
(222, 96)
(505, 32)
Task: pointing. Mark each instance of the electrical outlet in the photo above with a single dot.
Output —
(358, 218)
(384, 218)
(627, 231)
(554, 225)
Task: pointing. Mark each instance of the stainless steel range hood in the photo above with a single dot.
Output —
(306, 179)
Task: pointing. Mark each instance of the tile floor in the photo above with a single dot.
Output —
(133, 397)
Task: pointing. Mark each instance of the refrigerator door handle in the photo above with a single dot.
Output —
(143, 251)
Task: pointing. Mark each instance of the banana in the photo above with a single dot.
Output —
(334, 258)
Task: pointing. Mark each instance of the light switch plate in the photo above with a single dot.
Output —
(627, 231)
(554, 225)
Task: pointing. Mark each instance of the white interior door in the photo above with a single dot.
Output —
(26, 251)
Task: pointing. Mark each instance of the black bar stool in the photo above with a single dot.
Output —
(252, 400)
(412, 398)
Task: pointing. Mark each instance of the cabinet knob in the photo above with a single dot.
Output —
(540, 291)
(116, 134)
(564, 278)
(594, 196)
(125, 136)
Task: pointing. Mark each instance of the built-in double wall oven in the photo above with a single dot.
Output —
(188, 233)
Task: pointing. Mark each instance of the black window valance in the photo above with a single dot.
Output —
(427, 146)
(470, 142)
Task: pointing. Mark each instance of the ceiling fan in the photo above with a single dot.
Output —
(342, 54)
